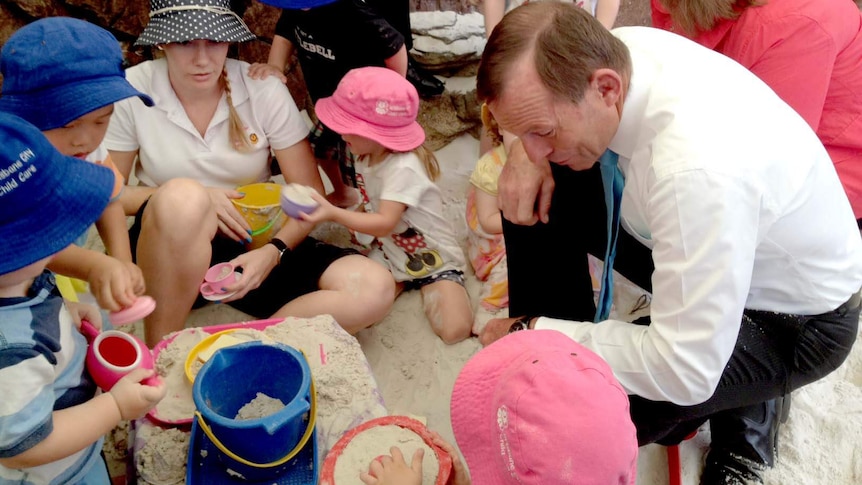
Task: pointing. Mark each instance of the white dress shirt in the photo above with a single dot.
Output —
(740, 204)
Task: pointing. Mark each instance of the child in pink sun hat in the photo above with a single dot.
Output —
(533, 408)
(374, 110)
(536, 407)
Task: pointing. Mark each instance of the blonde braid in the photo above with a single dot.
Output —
(236, 130)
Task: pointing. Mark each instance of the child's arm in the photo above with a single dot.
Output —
(393, 470)
(398, 62)
(279, 53)
(132, 197)
(377, 224)
(113, 231)
(110, 279)
(488, 211)
(493, 11)
(79, 426)
(606, 12)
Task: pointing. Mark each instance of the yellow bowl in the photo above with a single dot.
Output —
(202, 346)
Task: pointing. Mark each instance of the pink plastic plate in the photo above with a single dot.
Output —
(255, 324)
(142, 307)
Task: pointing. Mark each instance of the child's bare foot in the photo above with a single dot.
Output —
(343, 197)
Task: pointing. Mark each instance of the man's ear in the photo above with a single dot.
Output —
(609, 85)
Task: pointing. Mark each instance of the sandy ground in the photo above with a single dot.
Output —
(415, 371)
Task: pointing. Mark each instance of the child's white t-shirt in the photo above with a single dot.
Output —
(423, 243)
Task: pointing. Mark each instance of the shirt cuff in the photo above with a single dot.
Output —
(577, 331)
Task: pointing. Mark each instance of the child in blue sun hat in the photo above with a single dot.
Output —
(64, 75)
(51, 418)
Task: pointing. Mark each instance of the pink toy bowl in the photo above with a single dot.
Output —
(112, 354)
(327, 475)
(142, 307)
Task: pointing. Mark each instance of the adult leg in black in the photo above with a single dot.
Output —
(548, 270)
(774, 354)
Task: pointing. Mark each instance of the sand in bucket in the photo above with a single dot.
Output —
(261, 207)
(236, 376)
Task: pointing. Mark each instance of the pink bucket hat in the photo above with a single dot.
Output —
(376, 103)
(536, 407)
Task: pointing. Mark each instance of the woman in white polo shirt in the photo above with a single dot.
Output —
(210, 131)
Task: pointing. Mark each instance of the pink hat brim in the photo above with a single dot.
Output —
(398, 139)
(478, 389)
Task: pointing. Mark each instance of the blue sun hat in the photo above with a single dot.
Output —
(57, 69)
(47, 199)
(297, 4)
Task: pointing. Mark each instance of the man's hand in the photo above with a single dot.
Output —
(525, 187)
(393, 470)
(495, 329)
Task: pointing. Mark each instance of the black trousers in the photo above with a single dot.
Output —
(397, 13)
(775, 353)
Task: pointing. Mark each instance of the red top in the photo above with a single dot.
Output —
(810, 53)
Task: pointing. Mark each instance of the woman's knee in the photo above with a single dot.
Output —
(364, 281)
(180, 206)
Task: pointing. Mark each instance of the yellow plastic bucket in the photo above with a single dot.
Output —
(261, 207)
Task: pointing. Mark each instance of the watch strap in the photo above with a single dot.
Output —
(281, 246)
(522, 323)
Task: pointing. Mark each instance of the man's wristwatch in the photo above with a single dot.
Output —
(281, 246)
(522, 323)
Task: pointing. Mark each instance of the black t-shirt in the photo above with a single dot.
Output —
(335, 38)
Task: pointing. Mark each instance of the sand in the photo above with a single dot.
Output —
(377, 441)
(259, 407)
(415, 371)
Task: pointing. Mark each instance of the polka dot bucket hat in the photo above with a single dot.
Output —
(185, 20)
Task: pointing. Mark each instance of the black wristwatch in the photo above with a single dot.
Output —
(281, 246)
(522, 323)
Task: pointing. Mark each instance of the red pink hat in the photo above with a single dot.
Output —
(536, 407)
(376, 103)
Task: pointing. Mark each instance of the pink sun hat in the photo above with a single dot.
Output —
(376, 103)
(536, 407)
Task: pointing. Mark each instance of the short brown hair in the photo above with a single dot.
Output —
(568, 45)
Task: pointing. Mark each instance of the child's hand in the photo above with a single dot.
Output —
(261, 71)
(459, 475)
(114, 283)
(135, 399)
(84, 311)
(138, 284)
(325, 210)
(393, 470)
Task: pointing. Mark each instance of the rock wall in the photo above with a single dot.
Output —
(448, 40)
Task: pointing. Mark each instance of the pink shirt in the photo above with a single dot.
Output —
(810, 53)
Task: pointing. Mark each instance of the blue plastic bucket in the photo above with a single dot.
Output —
(256, 449)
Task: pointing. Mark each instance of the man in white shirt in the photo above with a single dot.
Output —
(732, 216)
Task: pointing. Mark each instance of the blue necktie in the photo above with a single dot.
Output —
(613, 182)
